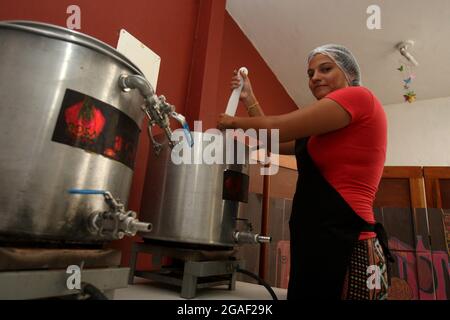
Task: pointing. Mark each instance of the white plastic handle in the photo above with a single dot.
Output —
(234, 98)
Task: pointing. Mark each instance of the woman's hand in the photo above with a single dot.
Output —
(247, 96)
(225, 122)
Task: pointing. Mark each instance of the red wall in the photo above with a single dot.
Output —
(196, 64)
(167, 27)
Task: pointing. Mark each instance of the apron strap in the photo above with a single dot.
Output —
(378, 228)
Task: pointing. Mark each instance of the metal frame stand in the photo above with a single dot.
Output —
(200, 269)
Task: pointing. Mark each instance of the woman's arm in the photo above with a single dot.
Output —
(254, 109)
(321, 117)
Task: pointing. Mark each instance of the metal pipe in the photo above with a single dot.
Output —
(136, 82)
(248, 237)
(142, 226)
(264, 239)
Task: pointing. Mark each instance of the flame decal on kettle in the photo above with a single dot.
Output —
(84, 121)
(90, 124)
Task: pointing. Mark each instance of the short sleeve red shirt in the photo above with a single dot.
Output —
(352, 159)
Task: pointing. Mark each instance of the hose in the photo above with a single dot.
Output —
(93, 292)
(260, 281)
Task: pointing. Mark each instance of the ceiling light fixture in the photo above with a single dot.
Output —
(403, 48)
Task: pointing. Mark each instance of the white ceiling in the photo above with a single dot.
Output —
(284, 31)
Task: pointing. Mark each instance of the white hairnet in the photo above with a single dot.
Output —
(343, 58)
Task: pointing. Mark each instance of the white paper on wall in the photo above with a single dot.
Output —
(142, 56)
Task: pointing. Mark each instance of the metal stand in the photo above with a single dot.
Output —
(199, 269)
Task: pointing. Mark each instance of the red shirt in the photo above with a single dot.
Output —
(352, 159)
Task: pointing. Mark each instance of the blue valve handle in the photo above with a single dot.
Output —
(86, 191)
(187, 133)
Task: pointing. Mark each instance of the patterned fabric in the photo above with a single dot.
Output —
(366, 277)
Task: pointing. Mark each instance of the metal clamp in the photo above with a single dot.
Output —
(116, 222)
(157, 109)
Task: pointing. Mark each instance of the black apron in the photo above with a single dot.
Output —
(324, 230)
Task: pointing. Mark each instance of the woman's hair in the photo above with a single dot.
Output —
(344, 60)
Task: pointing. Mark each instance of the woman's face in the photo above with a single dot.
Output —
(325, 76)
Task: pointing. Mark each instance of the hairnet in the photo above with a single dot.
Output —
(343, 58)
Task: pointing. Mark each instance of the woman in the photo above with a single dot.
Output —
(340, 146)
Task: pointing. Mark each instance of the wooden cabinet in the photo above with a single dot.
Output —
(401, 187)
(437, 186)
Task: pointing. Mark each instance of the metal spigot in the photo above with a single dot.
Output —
(157, 109)
(248, 237)
(116, 222)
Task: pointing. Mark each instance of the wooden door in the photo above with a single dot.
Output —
(437, 186)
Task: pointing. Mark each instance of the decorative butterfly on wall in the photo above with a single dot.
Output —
(409, 96)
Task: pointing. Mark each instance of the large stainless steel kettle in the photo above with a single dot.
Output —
(69, 121)
(196, 202)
